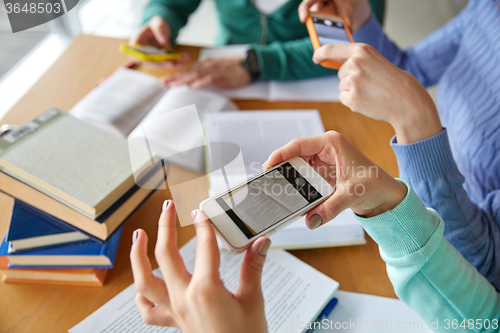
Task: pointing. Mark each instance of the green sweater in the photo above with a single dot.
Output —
(428, 273)
(281, 41)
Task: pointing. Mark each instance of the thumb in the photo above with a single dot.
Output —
(328, 209)
(161, 31)
(251, 269)
(334, 52)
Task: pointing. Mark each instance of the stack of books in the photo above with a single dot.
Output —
(68, 187)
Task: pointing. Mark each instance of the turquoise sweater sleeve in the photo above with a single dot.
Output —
(428, 273)
(174, 12)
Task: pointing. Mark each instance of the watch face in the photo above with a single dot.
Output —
(251, 64)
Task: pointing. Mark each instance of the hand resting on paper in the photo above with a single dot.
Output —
(198, 302)
(222, 72)
(372, 85)
(358, 182)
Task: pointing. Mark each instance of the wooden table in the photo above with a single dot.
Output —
(33, 308)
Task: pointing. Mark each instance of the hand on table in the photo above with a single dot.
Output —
(157, 33)
(355, 12)
(222, 72)
(373, 86)
(198, 302)
(359, 184)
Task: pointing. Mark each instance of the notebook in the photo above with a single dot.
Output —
(86, 254)
(285, 279)
(82, 166)
(323, 89)
(137, 106)
(258, 134)
(98, 229)
(31, 228)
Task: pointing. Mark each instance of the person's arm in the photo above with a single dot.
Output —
(473, 229)
(427, 272)
(290, 60)
(174, 12)
(428, 59)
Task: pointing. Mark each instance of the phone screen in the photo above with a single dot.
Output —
(148, 49)
(268, 199)
(330, 30)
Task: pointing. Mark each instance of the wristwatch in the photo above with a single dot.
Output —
(250, 63)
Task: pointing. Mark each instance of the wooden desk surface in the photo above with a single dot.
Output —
(33, 308)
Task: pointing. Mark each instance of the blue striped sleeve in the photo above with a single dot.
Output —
(428, 59)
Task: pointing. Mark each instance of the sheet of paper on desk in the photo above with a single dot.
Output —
(258, 134)
(285, 280)
(316, 89)
(369, 312)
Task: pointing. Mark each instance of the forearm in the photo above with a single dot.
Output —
(290, 60)
(472, 229)
(426, 271)
(174, 12)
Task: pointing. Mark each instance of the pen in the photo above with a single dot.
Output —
(131, 64)
(325, 313)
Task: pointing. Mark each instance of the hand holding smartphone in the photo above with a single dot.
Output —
(265, 203)
(325, 28)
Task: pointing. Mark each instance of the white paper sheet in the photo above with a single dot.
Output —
(317, 89)
(374, 314)
(292, 290)
(259, 133)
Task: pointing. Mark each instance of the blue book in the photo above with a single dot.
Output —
(31, 229)
(87, 254)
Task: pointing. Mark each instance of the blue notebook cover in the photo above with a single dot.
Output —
(87, 248)
(28, 222)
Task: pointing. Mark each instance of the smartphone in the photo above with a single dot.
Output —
(265, 203)
(325, 29)
(150, 53)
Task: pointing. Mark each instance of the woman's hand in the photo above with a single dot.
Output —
(223, 72)
(355, 12)
(157, 33)
(198, 302)
(373, 86)
(359, 184)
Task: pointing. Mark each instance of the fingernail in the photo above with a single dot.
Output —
(134, 236)
(264, 247)
(165, 204)
(315, 221)
(264, 164)
(193, 213)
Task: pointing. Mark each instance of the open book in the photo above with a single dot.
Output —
(139, 107)
(258, 134)
(292, 290)
(324, 89)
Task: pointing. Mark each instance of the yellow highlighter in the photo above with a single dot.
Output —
(150, 53)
